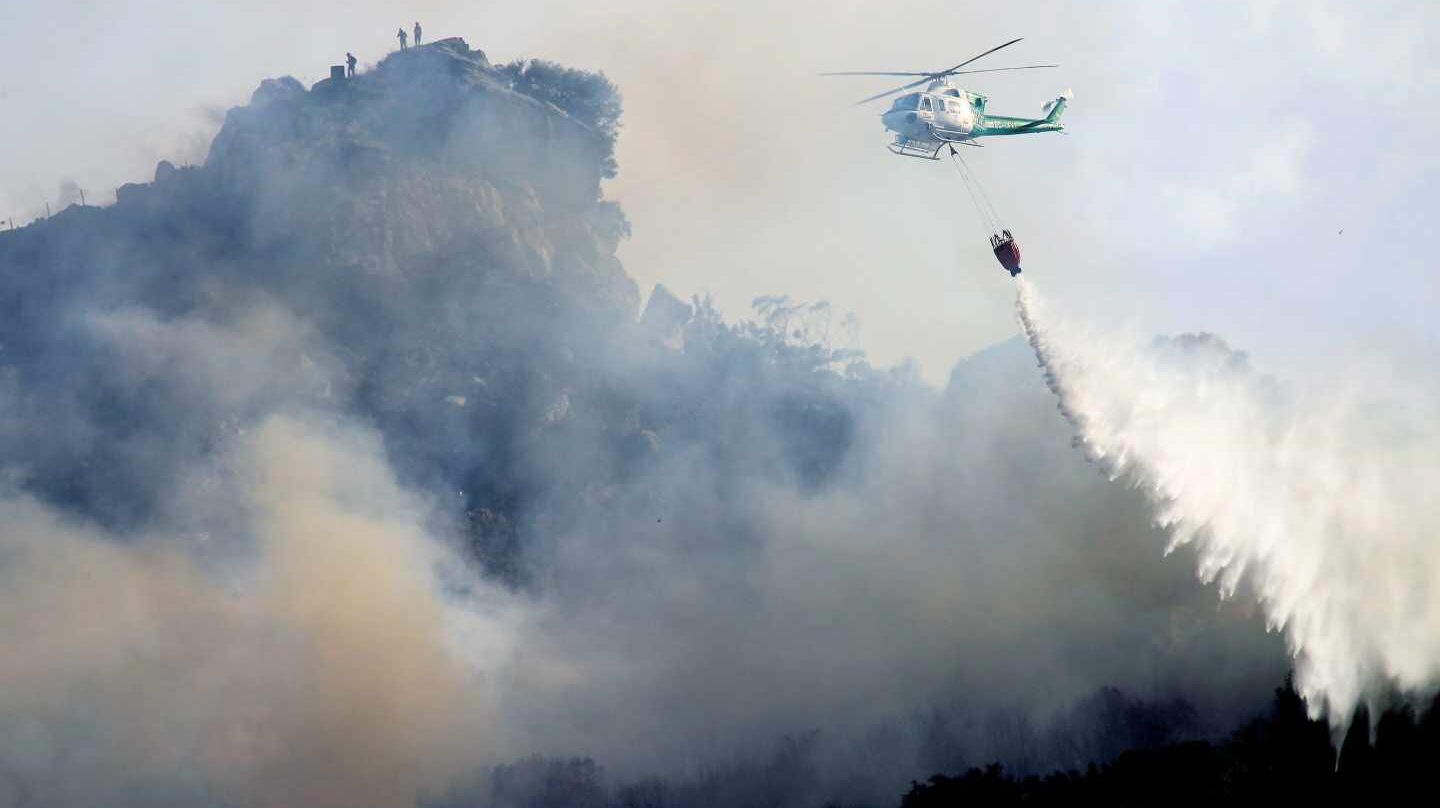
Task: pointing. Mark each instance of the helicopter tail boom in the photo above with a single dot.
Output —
(994, 125)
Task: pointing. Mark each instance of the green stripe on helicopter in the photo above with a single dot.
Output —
(992, 125)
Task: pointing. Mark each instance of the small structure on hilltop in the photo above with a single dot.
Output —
(665, 318)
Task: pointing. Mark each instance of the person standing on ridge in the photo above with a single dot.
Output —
(349, 65)
(401, 35)
(417, 33)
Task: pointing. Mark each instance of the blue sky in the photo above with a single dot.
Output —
(1216, 150)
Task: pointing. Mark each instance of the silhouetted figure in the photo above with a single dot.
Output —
(349, 65)
(417, 33)
(401, 34)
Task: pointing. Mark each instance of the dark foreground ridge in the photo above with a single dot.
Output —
(1282, 758)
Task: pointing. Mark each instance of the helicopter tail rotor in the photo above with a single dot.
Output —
(1054, 109)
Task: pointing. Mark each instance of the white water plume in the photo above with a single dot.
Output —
(1320, 500)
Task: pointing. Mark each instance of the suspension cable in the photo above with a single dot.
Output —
(967, 172)
(988, 221)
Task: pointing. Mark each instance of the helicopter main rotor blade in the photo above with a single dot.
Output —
(977, 58)
(870, 73)
(998, 69)
(930, 75)
(901, 89)
(942, 74)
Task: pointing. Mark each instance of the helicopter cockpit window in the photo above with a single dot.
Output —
(906, 102)
(924, 103)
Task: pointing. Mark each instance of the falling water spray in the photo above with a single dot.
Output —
(1319, 502)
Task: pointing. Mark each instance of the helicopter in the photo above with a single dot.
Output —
(942, 114)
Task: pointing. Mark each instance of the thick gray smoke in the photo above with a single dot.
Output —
(318, 672)
(1318, 500)
(341, 469)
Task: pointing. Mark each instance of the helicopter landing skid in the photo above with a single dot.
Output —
(910, 148)
(954, 138)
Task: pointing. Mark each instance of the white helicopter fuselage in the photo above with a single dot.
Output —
(925, 121)
(939, 114)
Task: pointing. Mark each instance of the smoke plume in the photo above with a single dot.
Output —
(318, 673)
